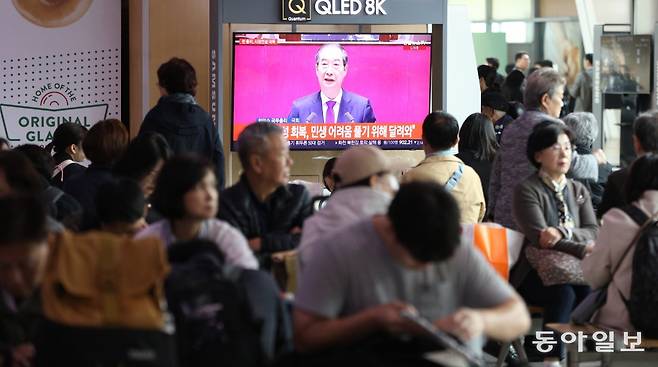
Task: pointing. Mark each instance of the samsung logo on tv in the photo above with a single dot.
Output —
(295, 10)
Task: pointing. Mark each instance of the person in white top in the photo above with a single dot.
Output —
(612, 245)
(186, 195)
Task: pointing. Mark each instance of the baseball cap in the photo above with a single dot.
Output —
(360, 162)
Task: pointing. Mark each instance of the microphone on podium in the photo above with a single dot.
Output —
(349, 116)
(310, 117)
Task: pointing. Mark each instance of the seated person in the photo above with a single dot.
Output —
(23, 255)
(358, 281)
(262, 205)
(555, 214)
(585, 129)
(121, 207)
(440, 135)
(615, 236)
(332, 103)
(645, 140)
(365, 188)
(186, 195)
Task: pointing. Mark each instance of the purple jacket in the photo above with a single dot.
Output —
(353, 108)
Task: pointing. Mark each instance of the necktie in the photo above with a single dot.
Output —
(330, 113)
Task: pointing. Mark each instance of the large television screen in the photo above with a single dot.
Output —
(330, 91)
(626, 64)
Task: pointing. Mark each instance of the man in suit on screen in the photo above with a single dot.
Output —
(332, 103)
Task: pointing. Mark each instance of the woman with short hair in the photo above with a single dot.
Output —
(555, 214)
(186, 195)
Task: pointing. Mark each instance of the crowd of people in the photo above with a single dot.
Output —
(383, 246)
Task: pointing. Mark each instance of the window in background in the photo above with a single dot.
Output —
(480, 27)
(477, 9)
(511, 9)
(515, 32)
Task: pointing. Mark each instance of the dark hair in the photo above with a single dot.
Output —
(590, 58)
(477, 134)
(645, 129)
(493, 62)
(425, 218)
(120, 200)
(41, 160)
(520, 55)
(512, 86)
(328, 167)
(22, 220)
(643, 176)
(66, 134)
(544, 135)
(142, 155)
(253, 140)
(105, 142)
(440, 130)
(182, 251)
(545, 63)
(178, 176)
(515, 109)
(489, 75)
(177, 76)
(19, 172)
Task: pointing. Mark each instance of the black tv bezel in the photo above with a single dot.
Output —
(232, 118)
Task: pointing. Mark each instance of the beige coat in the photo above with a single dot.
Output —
(468, 191)
(615, 235)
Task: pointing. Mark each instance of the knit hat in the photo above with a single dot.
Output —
(494, 99)
(360, 162)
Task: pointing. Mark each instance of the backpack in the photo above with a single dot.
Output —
(214, 323)
(643, 300)
(103, 303)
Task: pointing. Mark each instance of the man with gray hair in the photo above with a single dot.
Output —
(332, 103)
(543, 102)
(263, 205)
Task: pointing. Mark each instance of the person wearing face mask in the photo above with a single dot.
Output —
(364, 187)
(440, 135)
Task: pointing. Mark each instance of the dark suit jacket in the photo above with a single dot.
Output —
(357, 106)
(535, 207)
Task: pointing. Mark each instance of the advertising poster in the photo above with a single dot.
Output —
(60, 62)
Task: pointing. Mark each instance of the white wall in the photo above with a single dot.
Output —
(463, 88)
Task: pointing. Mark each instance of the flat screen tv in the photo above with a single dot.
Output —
(626, 64)
(330, 91)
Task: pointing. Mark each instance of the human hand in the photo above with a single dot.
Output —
(589, 247)
(255, 244)
(22, 355)
(548, 237)
(388, 317)
(465, 324)
(600, 156)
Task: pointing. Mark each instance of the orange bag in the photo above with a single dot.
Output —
(98, 279)
(499, 245)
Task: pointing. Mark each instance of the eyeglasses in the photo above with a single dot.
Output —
(338, 65)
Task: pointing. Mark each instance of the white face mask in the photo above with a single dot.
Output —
(387, 184)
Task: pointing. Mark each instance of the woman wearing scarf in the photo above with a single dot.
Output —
(555, 214)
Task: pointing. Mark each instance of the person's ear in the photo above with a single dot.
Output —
(637, 146)
(545, 101)
(537, 157)
(72, 149)
(256, 163)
